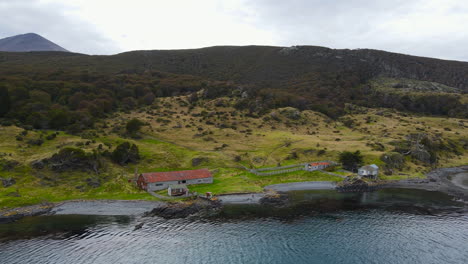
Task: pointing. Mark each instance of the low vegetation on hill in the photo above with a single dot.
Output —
(72, 91)
(75, 126)
(211, 133)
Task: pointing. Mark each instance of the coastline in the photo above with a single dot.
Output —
(441, 180)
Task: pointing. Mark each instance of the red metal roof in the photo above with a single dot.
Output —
(319, 163)
(176, 175)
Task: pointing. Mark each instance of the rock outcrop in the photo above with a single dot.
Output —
(355, 185)
(200, 207)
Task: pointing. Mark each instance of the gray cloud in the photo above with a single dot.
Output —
(54, 22)
(422, 27)
(433, 28)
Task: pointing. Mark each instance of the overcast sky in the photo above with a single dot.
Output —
(433, 28)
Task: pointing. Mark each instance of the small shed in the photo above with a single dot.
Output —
(156, 181)
(177, 190)
(370, 171)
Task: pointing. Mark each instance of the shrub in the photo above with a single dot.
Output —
(125, 153)
(321, 152)
(35, 142)
(393, 160)
(5, 102)
(351, 160)
(72, 159)
(51, 136)
(133, 126)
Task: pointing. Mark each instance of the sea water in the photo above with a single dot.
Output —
(388, 226)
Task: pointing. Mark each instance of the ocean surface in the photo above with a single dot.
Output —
(387, 226)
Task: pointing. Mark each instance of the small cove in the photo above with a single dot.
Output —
(386, 226)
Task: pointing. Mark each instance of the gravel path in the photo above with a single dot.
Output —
(301, 186)
(105, 207)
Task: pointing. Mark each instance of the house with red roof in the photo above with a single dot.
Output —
(155, 181)
(317, 165)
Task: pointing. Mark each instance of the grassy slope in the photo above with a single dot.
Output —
(172, 144)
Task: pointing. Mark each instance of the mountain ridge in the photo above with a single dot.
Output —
(28, 42)
(260, 63)
(304, 77)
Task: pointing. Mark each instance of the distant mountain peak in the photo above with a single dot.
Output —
(28, 42)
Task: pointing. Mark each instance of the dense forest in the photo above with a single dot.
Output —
(71, 91)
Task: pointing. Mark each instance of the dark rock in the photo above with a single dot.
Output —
(93, 182)
(139, 226)
(276, 200)
(8, 182)
(8, 165)
(38, 164)
(182, 210)
(13, 194)
(354, 185)
(199, 160)
(18, 213)
(291, 113)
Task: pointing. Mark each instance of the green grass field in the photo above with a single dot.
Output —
(175, 135)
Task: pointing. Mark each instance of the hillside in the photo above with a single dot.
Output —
(28, 42)
(304, 77)
(213, 134)
(64, 117)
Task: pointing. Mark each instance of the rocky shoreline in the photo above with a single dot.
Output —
(197, 206)
(15, 214)
(438, 180)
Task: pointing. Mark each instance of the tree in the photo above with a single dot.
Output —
(393, 160)
(5, 102)
(351, 160)
(125, 153)
(59, 117)
(133, 126)
(148, 99)
(129, 103)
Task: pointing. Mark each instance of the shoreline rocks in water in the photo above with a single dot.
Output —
(200, 206)
(12, 215)
(275, 199)
(355, 185)
(437, 180)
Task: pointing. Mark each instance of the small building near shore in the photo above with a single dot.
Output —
(369, 171)
(156, 181)
(317, 166)
(177, 190)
